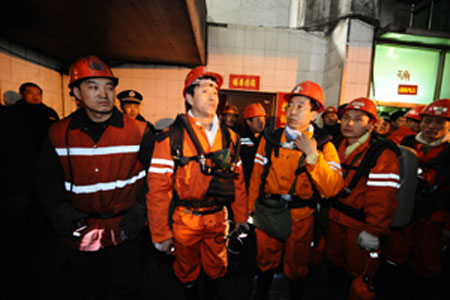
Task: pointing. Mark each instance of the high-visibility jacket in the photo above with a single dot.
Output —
(375, 194)
(190, 183)
(103, 178)
(397, 135)
(326, 174)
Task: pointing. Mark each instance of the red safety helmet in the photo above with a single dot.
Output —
(414, 113)
(330, 109)
(231, 110)
(440, 108)
(254, 110)
(198, 73)
(311, 90)
(88, 67)
(362, 104)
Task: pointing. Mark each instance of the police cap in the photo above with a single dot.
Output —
(128, 96)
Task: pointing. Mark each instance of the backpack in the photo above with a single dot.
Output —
(408, 181)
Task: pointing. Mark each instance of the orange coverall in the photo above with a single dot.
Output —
(193, 235)
(376, 195)
(327, 177)
(397, 135)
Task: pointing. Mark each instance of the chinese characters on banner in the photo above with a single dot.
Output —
(245, 82)
(406, 89)
(281, 111)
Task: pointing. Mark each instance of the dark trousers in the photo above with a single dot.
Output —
(117, 270)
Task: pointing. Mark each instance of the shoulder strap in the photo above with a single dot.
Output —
(369, 160)
(409, 141)
(438, 160)
(272, 141)
(322, 137)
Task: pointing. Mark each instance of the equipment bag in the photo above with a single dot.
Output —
(273, 217)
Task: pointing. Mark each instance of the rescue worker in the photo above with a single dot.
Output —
(254, 123)
(411, 126)
(331, 121)
(294, 174)
(382, 128)
(358, 218)
(229, 116)
(199, 197)
(422, 243)
(397, 119)
(130, 103)
(91, 180)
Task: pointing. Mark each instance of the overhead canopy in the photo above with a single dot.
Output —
(132, 31)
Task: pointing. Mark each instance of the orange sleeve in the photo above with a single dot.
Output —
(380, 196)
(159, 195)
(327, 172)
(255, 178)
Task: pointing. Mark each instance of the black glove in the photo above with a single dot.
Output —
(66, 219)
(133, 222)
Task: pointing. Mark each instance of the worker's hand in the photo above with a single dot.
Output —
(68, 220)
(305, 144)
(133, 222)
(368, 241)
(165, 246)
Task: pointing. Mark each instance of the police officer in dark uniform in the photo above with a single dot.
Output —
(130, 103)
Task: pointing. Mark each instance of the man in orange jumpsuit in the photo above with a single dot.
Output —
(422, 242)
(365, 213)
(199, 220)
(411, 126)
(321, 169)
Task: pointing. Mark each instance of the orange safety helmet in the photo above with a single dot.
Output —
(88, 67)
(254, 110)
(311, 90)
(230, 110)
(362, 104)
(414, 113)
(440, 108)
(198, 73)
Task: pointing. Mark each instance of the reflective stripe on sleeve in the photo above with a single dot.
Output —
(260, 159)
(383, 184)
(167, 166)
(247, 141)
(384, 176)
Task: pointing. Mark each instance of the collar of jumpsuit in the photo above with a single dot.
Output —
(210, 132)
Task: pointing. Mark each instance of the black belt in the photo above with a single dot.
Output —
(195, 203)
(348, 210)
(107, 215)
(295, 202)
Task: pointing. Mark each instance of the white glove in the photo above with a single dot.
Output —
(368, 241)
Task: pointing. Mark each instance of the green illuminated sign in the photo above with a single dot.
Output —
(404, 74)
(445, 85)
